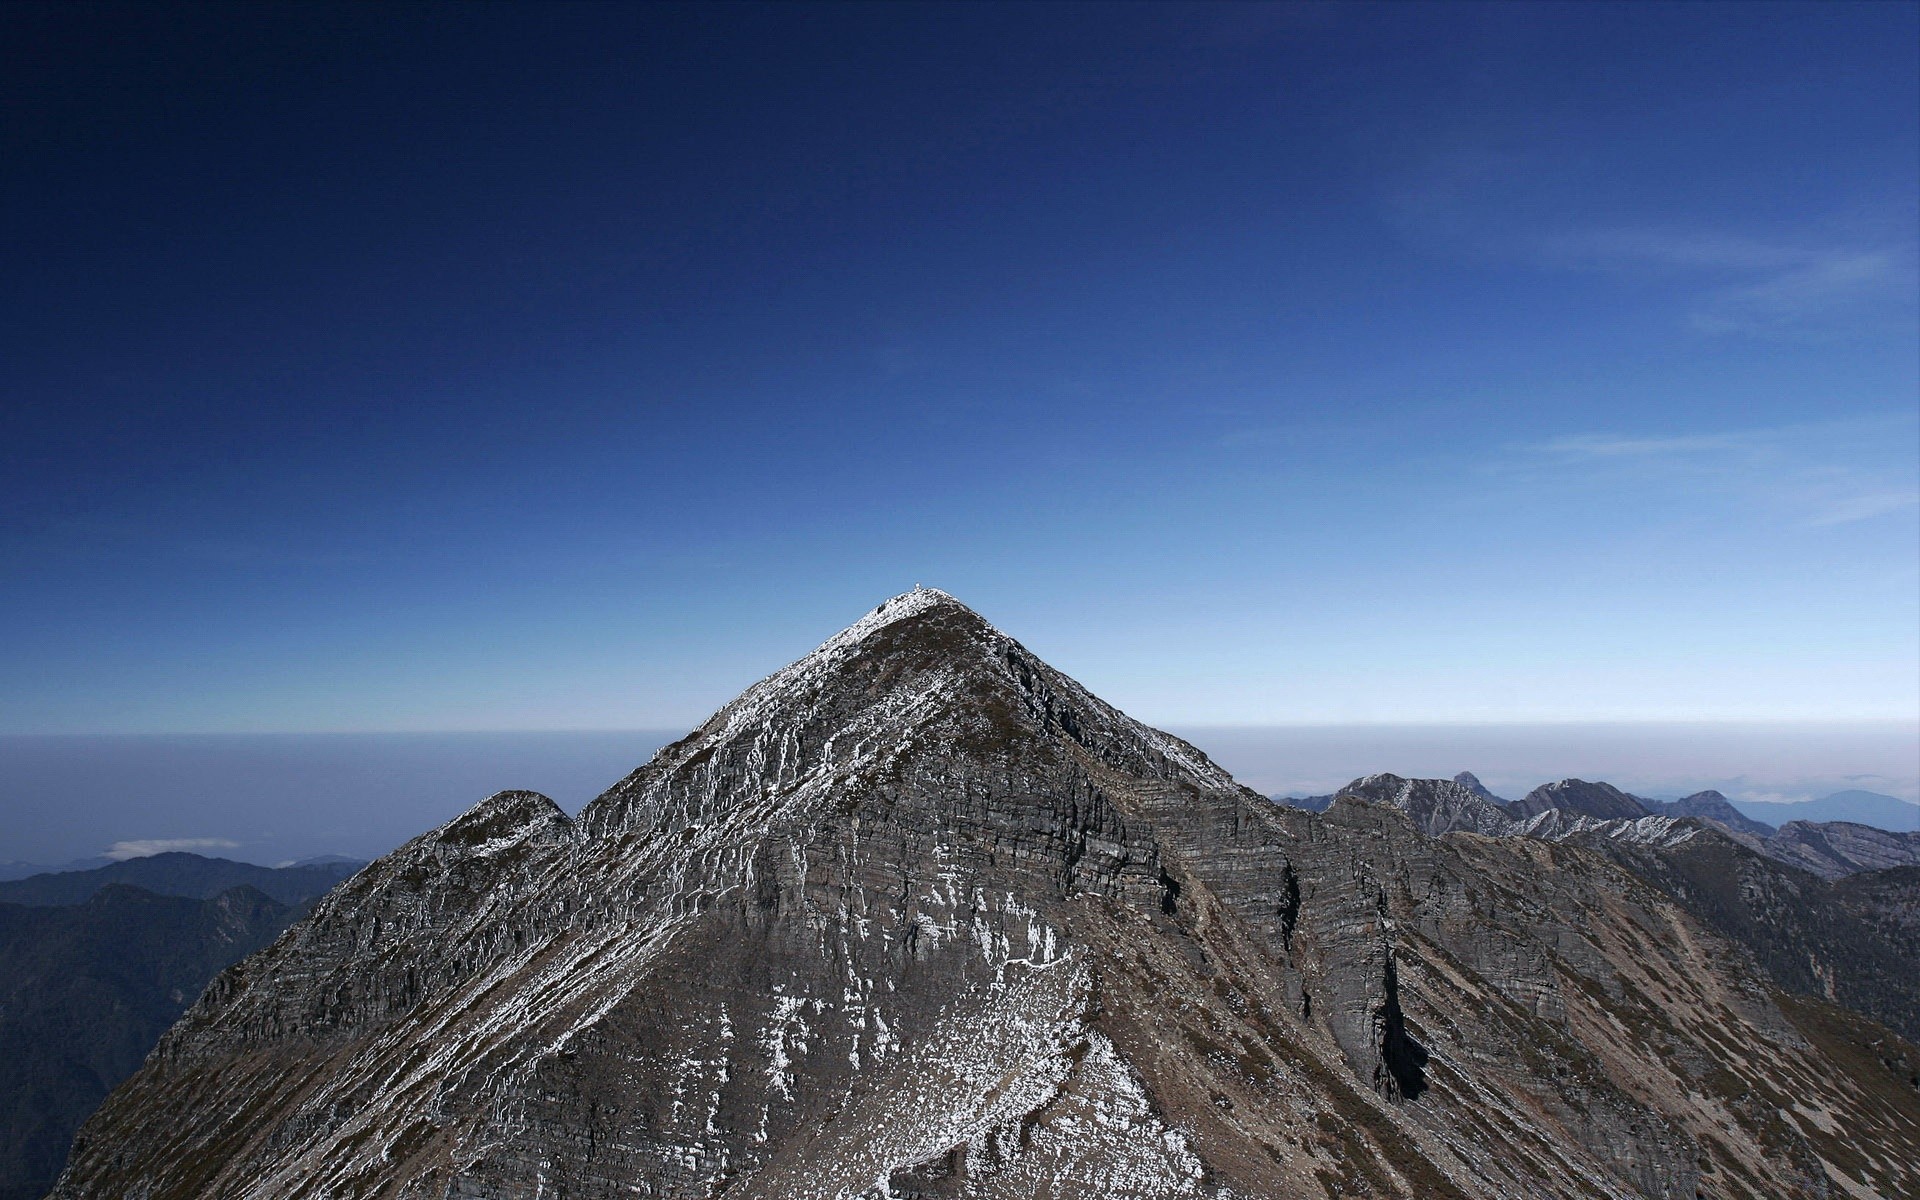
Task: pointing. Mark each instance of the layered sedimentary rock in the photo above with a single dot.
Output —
(919, 916)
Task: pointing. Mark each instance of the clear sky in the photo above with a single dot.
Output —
(570, 367)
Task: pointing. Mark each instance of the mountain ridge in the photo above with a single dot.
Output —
(179, 873)
(918, 914)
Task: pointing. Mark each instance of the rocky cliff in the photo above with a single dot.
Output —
(918, 916)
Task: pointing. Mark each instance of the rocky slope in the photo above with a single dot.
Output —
(1831, 849)
(1435, 806)
(1855, 941)
(1471, 782)
(920, 917)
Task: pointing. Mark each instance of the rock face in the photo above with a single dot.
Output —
(920, 917)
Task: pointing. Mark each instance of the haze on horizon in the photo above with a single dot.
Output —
(531, 368)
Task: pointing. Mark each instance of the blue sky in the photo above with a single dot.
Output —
(545, 368)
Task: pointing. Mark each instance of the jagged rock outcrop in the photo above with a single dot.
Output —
(918, 916)
(1578, 797)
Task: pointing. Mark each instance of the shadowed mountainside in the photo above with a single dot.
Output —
(85, 992)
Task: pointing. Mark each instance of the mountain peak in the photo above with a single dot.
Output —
(920, 915)
(902, 607)
(919, 674)
(1471, 782)
(1581, 798)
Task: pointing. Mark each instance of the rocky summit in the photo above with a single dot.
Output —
(918, 916)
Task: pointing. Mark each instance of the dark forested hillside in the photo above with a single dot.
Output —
(85, 992)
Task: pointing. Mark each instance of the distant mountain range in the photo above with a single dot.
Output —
(181, 874)
(1829, 849)
(13, 869)
(1759, 817)
(93, 969)
(1861, 808)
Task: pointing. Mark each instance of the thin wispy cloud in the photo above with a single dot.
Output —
(147, 847)
(1736, 285)
(1746, 285)
(1810, 475)
(1816, 278)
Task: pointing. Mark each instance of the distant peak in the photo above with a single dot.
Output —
(1471, 782)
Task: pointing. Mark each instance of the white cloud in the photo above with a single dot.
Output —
(144, 847)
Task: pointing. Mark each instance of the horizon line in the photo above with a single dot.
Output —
(1908, 720)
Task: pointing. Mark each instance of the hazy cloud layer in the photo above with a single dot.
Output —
(145, 847)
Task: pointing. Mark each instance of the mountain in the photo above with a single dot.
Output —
(1712, 806)
(1581, 798)
(1854, 940)
(1436, 806)
(1857, 807)
(1471, 782)
(1571, 808)
(14, 869)
(919, 916)
(85, 992)
(180, 874)
(1309, 803)
(1835, 848)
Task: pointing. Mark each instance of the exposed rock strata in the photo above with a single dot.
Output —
(919, 916)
